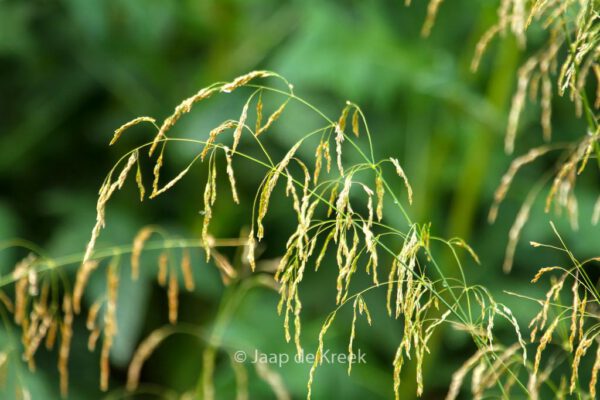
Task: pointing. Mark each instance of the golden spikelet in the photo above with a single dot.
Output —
(156, 171)
(183, 108)
(244, 79)
(342, 204)
(173, 296)
(131, 161)
(20, 300)
(507, 313)
(461, 243)
(110, 324)
(533, 387)
(402, 175)
(212, 136)
(371, 243)
(43, 298)
(209, 197)
(546, 102)
(273, 117)
(588, 150)
(594, 375)
(259, 112)
(476, 381)
(138, 245)
(490, 328)
(360, 305)
(518, 21)
(171, 183)
(140, 181)
(432, 10)
(83, 274)
(352, 334)
(347, 266)
(534, 85)
(380, 192)
(518, 103)
(393, 270)
(355, 122)
(419, 360)
(544, 340)
(584, 345)
(163, 266)
(32, 282)
(142, 353)
(542, 271)
(297, 323)
(483, 44)
(213, 182)
(339, 140)
(323, 251)
(92, 243)
(93, 339)
(27, 337)
(575, 309)
(51, 335)
(237, 134)
(318, 162)
(596, 69)
(186, 270)
(564, 181)
(230, 175)
(398, 363)
(362, 308)
(251, 249)
(119, 131)
(106, 191)
(332, 196)
(22, 276)
(553, 293)
(582, 306)
(269, 185)
(319, 353)
(66, 332)
(90, 322)
(37, 336)
(327, 156)
(341, 123)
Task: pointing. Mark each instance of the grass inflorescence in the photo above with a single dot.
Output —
(339, 210)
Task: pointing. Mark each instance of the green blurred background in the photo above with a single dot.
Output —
(73, 70)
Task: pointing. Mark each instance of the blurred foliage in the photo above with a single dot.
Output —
(73, 70)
